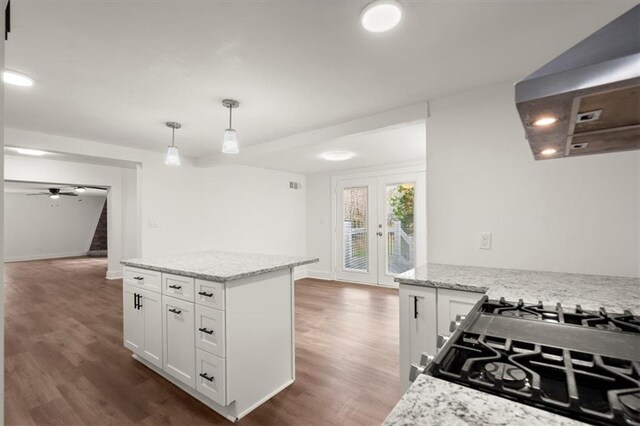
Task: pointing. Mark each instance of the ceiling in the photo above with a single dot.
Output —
(35, 187)
(115, 71)
(389, 146)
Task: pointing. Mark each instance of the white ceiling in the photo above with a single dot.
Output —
(389, 146)
(115, 71)
(36, 187)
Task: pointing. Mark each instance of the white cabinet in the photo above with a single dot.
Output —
(452, 303)
(210, 330)
(142, 323)
(211, 376)
(418, 329)
(178, 286)
(179, 339)
(210, 294)
(142, 278)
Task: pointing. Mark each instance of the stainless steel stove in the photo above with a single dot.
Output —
(580, 364)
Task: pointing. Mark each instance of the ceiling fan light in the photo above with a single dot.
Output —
(54, 196)
(173, 156)
(230, 142)
(79, 189)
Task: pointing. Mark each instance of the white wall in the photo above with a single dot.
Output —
(187, 208)
(40, 228)
(570, 215)
(319, 225)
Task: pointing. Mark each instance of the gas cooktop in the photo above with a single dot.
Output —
(581, 364)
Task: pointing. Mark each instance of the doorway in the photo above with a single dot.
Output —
(380, 226)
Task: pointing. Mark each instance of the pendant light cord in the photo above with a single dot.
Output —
(173, 136)
(230, 111)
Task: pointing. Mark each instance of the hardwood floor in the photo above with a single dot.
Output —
(65, 363)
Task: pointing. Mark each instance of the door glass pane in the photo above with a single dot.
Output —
(355, 228)
(400, 242)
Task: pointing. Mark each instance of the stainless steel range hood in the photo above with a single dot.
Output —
(592, 91)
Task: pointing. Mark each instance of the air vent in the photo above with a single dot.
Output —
(295, 185)
(583, 117)
(579, 145)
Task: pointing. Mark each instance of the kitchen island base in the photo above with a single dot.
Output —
(228, 341)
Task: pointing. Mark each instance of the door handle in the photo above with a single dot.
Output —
(205, 294)
(175, 311)
(135, 300)
(204, 330)
(177, 287)
(379, 234)
(206, 377)
(415, 306)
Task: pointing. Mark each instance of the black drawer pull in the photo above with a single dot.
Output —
(138, 278)
(175, 311)
(177, 287)
(204, 330)
(204, 376)
(204, 293)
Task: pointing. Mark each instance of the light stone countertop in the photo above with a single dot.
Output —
(219, 266)
(615, 294)
(432, 401)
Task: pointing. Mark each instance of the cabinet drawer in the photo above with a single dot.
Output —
(178, 319)
(452, 303)
(211, 377)
(210, 330)
(209, 293)
(178, 286)
(143, 278)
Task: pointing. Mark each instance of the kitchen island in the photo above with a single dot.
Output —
(432, 401)
(219, 325)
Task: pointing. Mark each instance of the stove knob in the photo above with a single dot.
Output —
(460, 318)
(442, 340)
(454, 325)
(415, 371)
(426, 359)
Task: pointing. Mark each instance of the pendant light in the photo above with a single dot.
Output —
(173, 157)
(230, 141)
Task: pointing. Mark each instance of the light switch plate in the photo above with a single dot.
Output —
(485, 240)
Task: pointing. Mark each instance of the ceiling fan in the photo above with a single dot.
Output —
(55, 193)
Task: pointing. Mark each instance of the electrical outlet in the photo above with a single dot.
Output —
(485, 240)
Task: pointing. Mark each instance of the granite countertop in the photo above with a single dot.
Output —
(219, 266)
(431, 401)
(615, 294)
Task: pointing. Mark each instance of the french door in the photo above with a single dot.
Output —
(380, 227)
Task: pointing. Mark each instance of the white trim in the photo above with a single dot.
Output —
(319, 275)
(114, 275)
(44, 256)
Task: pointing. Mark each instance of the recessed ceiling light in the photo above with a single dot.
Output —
(337, 155)
(381, 15)
(548, 151)
(34, 152)
(545, 121)
(17, 78)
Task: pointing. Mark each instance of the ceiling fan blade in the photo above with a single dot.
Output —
(41, 193)
(97, 187)
(68, 194)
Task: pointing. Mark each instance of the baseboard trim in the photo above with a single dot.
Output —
(320, 275)
(44, 256)
(114, 275)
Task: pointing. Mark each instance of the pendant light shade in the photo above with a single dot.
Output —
(173, 156)
(230, 140)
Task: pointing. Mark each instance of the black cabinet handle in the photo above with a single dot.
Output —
(177, 287)
(204, 330)
(139, 301)
(175, 311)
(138, 278)
(204, 376)
(204, 293)
(135, 300)
(415, 306)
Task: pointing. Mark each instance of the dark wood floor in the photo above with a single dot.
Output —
(65, 363)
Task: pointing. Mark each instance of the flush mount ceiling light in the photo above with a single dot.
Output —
(16, 78)
(381, 15)
(34, 152)
(80, 189)
(548, 151)
(338, 155)
(230, 140)
(545, 121)
(173, 156)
